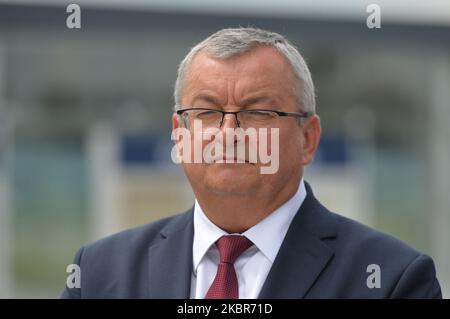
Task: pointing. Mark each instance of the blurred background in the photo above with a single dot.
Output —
(85, 118)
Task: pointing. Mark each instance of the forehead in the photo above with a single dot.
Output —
(262, 68)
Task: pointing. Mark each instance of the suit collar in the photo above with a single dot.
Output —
(170, 259)
(314, 218)
(303, 254)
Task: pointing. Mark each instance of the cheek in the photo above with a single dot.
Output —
(291, 147)
(194, 172)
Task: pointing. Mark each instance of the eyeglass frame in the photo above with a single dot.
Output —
(235, 113)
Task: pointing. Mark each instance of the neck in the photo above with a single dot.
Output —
(236, 214)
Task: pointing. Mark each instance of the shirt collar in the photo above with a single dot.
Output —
(205, 235)
(267, 235)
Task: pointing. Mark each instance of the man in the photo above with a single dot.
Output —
(249, 234)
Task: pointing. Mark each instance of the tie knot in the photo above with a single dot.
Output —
(231, 247)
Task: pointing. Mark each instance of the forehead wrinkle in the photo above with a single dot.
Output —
(236, 78)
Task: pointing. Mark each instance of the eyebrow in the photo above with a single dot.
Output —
(246, 102)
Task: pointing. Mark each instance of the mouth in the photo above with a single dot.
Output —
(232, 160)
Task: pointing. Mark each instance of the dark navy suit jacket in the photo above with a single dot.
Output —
(323, 255)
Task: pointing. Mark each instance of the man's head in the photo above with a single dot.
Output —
(228, 43)
(247, 69)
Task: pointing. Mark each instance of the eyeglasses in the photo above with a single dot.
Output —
(256, 118)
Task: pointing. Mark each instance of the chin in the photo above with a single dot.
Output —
(232, 179)
(233, 171)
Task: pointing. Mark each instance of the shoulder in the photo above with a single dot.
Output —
(405, 271)
(110, 266)
(134, 240)
(354, 235)
(145, 234)
(360, 250)
(349, 237)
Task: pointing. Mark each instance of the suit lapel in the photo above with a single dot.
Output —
(303, 255)
(170, 260)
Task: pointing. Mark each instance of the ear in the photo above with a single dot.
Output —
(175, 121)
(311, 138)
(176, 125)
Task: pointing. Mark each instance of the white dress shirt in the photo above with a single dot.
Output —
(253, 266)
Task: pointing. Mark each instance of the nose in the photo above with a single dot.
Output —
(230, 120)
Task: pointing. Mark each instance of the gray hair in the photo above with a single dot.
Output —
(227, 43)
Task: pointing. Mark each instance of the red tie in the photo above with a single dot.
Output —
(225, 284)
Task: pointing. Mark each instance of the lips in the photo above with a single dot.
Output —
(231, 160)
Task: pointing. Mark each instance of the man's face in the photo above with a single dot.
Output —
(259, 79)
